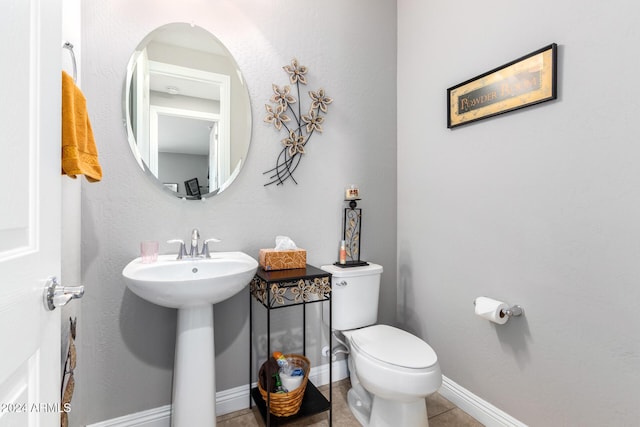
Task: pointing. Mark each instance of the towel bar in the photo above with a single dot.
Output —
(69, 46)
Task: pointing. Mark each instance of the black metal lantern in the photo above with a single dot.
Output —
(352, 227)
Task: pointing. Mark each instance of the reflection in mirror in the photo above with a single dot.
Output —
(187, 110)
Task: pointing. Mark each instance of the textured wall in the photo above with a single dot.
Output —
(539, 208)
(127, 343)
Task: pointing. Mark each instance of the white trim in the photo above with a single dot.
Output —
(156, 417)
(479, 409)
(155, 111)
(223, 82)
(227, 401)
(320, 374)
(237, 398)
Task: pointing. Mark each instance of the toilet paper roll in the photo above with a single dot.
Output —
(491, 309)
(290, 382)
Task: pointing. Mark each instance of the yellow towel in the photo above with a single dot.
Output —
(79, 152)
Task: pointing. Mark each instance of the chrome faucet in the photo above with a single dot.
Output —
(193, 250)
(195, 236)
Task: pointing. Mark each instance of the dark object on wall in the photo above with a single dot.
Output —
(526, 81)
(193, 188)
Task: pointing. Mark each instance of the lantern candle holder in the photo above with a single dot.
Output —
(352, 227)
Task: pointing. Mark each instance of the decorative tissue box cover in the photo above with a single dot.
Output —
(271, 259)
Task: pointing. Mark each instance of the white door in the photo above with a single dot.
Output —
(29, 211)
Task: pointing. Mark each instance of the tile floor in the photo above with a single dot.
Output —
(442, 413)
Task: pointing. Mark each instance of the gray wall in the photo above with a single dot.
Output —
(126, 343)
(538, 207)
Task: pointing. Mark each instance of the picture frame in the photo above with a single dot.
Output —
(192, 187)
(173, 186)
(526, 81)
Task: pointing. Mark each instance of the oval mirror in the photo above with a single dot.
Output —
(187, 111)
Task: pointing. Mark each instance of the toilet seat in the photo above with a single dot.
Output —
(393, 364)
(393, 346)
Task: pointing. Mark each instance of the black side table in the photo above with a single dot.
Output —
(282, 289)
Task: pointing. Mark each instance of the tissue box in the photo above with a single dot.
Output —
(271, 259)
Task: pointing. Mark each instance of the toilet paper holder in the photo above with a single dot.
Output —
(513, 311)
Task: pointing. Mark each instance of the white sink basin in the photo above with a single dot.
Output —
(190, 282)
(192, 286)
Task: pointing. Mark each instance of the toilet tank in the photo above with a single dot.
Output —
(354, 296)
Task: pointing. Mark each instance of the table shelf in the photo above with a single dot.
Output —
(282, 289)
(313, 402)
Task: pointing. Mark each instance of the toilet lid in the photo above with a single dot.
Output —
(394, 346)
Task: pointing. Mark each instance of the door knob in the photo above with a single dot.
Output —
(56, 295)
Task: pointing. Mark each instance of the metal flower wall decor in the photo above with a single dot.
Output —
(286, 114)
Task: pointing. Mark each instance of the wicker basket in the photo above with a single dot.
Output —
(287, 404)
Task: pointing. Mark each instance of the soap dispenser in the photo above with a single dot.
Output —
(343, 252)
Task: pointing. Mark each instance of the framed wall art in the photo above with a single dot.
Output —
(192, 187)
(526, 81)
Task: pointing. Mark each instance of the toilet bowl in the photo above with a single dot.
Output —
(394, 364)
(391, 370)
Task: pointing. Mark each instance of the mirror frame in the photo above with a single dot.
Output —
(224, 114)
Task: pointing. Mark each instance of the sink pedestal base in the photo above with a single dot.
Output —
(194, 387)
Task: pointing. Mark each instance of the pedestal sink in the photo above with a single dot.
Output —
(192, 285)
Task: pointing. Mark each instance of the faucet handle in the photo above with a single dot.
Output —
(205, 246)
(181, 250)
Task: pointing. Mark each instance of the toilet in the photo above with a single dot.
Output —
(391, 370)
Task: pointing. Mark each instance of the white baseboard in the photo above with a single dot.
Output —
(227, 401)
(156, 417)
(237, 398)
(320, 374)
(479, 409)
